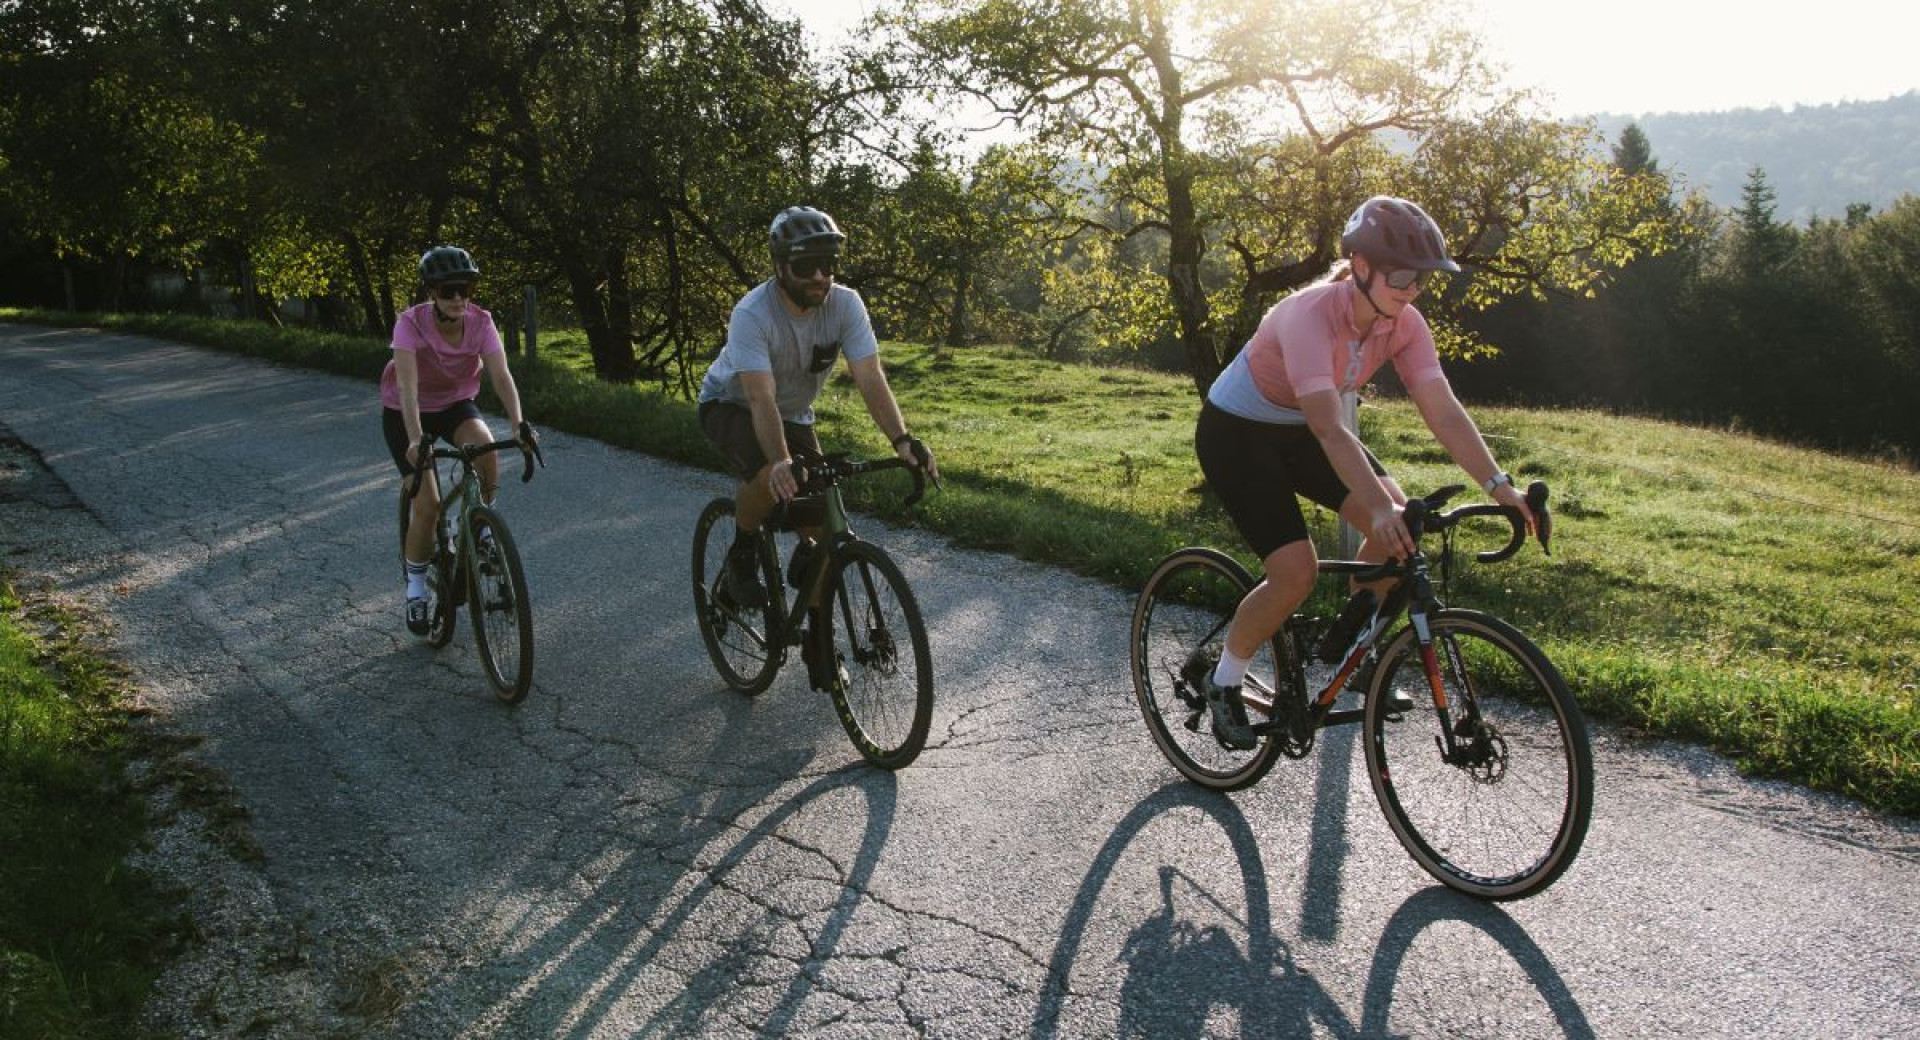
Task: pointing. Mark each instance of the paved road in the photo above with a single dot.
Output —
(635, 851)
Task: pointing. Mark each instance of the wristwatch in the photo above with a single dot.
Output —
(1495, 481)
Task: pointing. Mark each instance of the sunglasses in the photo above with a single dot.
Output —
(1403, 277)
(453, 290)
(808, 266)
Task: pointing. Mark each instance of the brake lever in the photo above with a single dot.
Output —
(1542, 519)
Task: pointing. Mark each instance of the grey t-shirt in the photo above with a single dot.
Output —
(764, 336)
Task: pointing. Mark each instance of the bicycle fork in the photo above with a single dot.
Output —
(1468, 741)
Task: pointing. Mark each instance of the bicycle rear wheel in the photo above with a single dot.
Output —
(1504, 816)
(498, 606)
(882, 670)
(1183, 612)
(739, 639)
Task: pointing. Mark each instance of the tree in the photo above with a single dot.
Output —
(1633, 153)
(1238, 136)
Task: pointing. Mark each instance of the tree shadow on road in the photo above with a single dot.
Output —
(686, 874)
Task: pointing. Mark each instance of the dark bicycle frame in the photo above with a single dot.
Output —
(820, 489)
(1412, 594)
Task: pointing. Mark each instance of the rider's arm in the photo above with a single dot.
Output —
(770, 432)
(1349, 460)
(406, 373)
(885, 409)
(1456, 432)
(501, 378)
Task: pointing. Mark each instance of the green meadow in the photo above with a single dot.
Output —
(1758, 598)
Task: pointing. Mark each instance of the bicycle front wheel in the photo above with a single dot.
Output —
(1499, 811)
(1182, 615)
(497, 605)
(739, 639)
(881, 675)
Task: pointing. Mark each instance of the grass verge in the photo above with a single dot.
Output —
(1759, 598)
(81, 936)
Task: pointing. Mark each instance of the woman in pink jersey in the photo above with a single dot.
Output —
(440, 347)
(1271, 432)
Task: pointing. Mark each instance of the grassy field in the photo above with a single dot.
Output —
(1761, 599)
(81, 937)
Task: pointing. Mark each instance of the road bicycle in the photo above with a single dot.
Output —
(475, 562)
(1476, 749)
(853, 616)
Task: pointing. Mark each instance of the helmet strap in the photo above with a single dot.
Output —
(440, 314)
(1365, 285)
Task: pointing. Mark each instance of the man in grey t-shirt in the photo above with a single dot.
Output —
(756, 402)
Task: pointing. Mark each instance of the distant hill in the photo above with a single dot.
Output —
(1818, 158)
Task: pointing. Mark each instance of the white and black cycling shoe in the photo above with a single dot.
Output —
(417, 616)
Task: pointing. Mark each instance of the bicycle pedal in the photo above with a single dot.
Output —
(1193, 721)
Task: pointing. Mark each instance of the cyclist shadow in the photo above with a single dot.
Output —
(554, 1006)
(1184, 975)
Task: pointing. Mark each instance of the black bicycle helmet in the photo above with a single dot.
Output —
(447, 264)
(803, 231)
(1396, 233)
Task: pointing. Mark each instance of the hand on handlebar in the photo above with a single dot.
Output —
(1386, 528)
(529, 450)
(914, 452)
(781, 481)
(1511, 497)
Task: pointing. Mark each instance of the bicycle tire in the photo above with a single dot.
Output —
(1184, 608)
(882, 688)
(499, 607)
(1510, 820)
(738, 639)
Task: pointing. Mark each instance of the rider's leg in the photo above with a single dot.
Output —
(476, 431)
(1290, 573)
(426, 506)
(753, 501)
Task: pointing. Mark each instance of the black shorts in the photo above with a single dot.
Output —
(1257, 469)
(440, 425)
(730, 428)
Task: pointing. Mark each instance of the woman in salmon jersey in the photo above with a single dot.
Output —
(1271, 432)
(440, 347)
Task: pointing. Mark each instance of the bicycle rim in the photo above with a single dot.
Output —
(739, 639)
(1507, 817)
(498, 606)
(882, 685)
(1184, 610)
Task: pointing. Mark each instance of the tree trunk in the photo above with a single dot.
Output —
(612, 354)
(1183, 281)
(957, 319)
(363, 286)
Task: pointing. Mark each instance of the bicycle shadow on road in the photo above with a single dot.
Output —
(1185, 969)
(1438, 905)
(581, 999)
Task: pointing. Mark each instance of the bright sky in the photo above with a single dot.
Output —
(1655, 55)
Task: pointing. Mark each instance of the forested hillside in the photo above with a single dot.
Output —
(1819, 158)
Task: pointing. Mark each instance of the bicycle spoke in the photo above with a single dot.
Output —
(1498, 804)
(879, 667)
(1180, 618)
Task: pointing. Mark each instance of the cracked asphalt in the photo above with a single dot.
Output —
(636, 852)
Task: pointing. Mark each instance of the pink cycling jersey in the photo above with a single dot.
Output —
(1307, 343)
(449, 372)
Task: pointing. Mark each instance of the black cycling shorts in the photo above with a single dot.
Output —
(730, 428)
(1257, 469)
(440, 425)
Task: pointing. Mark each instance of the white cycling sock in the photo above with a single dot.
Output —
(1231, 670)
(416, 580)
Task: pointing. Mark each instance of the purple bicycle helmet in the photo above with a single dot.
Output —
(1396, 233)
